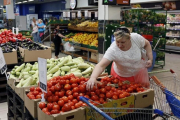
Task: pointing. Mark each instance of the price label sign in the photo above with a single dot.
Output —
(64, 15)
(89, 14)
(42, 66)
(68, 14)
(73, 15)
(86, 14)
(96, 15)
(3, 66)
(79, 14)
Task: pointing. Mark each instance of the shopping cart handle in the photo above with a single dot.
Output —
(82, 98)
(159, 112)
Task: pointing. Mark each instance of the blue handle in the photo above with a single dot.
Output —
(84, 99)
(159, 112)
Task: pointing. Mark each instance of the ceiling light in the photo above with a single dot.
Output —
(1, 6)
(24, 1)
(30, 0)
(19, 2)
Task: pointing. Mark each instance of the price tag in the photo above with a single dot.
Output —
(89, 14)
(64, 15)
(3, 66)
(96, 15)
(79, 14)
(86, 14)
(73, 15)
(68, 14)
(42, 66)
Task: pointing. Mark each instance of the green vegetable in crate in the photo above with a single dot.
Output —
(53, 70)
(83, 66)
(20, 68)
(87, 71)
(57, 73)
(65, 68)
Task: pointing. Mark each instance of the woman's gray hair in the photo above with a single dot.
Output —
(121, 34)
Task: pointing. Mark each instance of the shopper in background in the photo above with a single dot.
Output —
(57, 40)
(41, 29)
(35, 30)
(125, 52)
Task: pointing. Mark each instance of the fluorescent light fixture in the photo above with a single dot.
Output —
(1, 6)
(30, 0)
(24, 1)
(19, 2)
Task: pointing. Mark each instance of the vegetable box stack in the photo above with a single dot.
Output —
(28, 74)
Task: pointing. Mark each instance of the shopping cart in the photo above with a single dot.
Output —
(167, 94)
(103, 113)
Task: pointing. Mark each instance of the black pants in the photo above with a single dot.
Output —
(57, 43)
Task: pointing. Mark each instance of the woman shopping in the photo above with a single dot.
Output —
(41, 29)
(126, 54)
(35, 30)
(57, 40)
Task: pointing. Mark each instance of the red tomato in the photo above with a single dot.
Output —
(115, 81)
(82, 88)
(119, 91)
(87, 96)
(45, 110)
(81, 94)
(67, 87)
(42, 105)
(71, 103)
(56, 107)
(66, 107)
(109, 95)
(67, 82)
(74, 85)
(102, 96)
(70, 97)
(49, 84)
(57, 93)
(54, 111)
(49, 93)
(108, 88)
(38, 89)
(54, 103)
(57, 87)
(61, 94)
(75, 95)
(103, 90)
(48, 113)
(82, 82)
(124, 87)
(68, 92)
(93, 93)
(122, 95)
(73, 80)
(35, 93)
(62, 82)
(73, 107)
(94, 97)
(50, 99)
(75, 89)
(55, 98)
(32, 97)
(29, 94)
(101, 100)
(50, 106)
(115, 93)
(97, 92)
(130, 90)
(115, 97)
(74, 101)
(84, 104)
(77, 105)
(120, 84)
(38, 97)
(61, 103)
(113, 89)
(52, 89)
(65, 99)
(32, 89)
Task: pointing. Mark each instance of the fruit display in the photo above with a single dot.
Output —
(63, 93)
(83, 38)
(173, 42)
(161, 43)
(88, 24)
(146, 30)
(28, 73)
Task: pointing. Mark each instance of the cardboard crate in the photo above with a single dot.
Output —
(11, 58)
(76, 114)
(20, 91)
(127, 102)
(31, 105)
(11, 82)
(32, 56)
(94, 56)
(144, 99)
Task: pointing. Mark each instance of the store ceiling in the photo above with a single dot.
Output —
(36, 1)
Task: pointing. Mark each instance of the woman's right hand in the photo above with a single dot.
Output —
(91, 83)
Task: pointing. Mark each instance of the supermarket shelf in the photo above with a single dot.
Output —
(173, 29)
(86, 49)
(173, 47)
(173, 36)
(173, 22)
(76, 55)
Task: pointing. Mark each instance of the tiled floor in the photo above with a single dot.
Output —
(172, 62)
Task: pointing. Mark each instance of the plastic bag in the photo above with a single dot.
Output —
(142, 77)
(68, 47)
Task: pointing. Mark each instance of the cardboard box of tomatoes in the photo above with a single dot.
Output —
(30, 102)
(20, 90)
(76, 114)
(8, 57)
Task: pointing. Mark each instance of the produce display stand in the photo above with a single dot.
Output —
(8, 57)
(152, 25)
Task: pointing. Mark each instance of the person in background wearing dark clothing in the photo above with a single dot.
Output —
(57, 40)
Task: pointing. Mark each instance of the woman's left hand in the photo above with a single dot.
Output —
(149, 63)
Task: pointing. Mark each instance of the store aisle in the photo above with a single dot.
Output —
(3, 111)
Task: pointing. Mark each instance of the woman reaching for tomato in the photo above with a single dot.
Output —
(125, 53)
